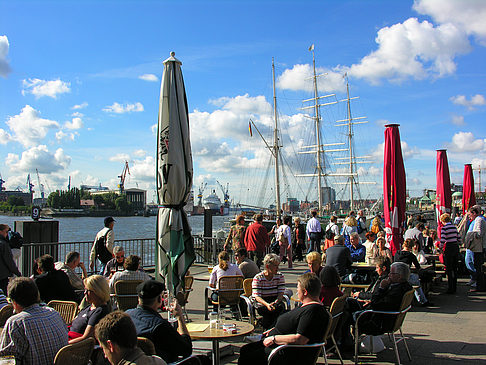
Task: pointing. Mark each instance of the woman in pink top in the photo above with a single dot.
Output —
(224, 268)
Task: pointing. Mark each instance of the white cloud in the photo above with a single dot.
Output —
(478, 163)
(407, 151)
(149, 77)
(413, 181)
(458, 120)
(153, 128)
(466, 142)
(476, 100)
(143, 169)
(299, 78)
(469, 15)
(4, 65)
(76, 123)
(412, 49)
(29, 128)
(120, 157)
(39, 158)
(140, 153)
(77, 114)
(40, 88)
(60, 135)
(4, 136)
(123, 108)
(79, 106)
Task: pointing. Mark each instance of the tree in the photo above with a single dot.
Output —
(15, 201)
(122, 205)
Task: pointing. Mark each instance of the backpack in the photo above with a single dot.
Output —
(360, 227)
(15, 240)
(102, 252)
(282, 237)
(329, 233)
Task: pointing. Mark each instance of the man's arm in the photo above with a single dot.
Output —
(294, 339)
(13, 341)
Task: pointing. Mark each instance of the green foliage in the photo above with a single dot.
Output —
(122, 205)
(65, 199)
(15, 201)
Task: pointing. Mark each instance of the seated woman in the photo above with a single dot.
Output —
(304, 325)
(314, 262)
(268, 288)
(330, 285)
(381, 249)
(370, 246)
(98, 295)
(224, 268)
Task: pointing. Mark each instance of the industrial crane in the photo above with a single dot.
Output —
(225, 193)
(200, 194)
(2, 188)
(30, 186)
(41, 187)
(121, 185)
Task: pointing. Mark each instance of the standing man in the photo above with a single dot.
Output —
(7, 264)
(415, 233)
(339, 256)
(314, 233)
(257, 240)
(479, 229)
(362, 229)
(103, 245)
(34, 334)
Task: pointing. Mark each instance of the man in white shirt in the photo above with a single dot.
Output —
(313, 230)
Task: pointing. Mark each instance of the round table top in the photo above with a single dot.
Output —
(242, 328)
(364, 265)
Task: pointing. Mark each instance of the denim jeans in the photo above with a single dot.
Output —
(469, 261)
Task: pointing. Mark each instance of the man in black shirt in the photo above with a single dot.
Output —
(339, 256)
(304, 325)
(52, 283)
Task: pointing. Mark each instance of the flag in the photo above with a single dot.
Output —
(311, 48)
(249, 129)
(394, 188)
(443, 197)
(468, 197)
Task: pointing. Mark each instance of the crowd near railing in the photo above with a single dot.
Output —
(206, 249)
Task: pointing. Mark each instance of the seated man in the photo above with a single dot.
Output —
(132, 272)
(73, 260)
(306, 324)
(52, 283)
(339, 256)
(116, 263)
(118, 339)
(388, 297)
(169, 343)
(247, 266)
(35, 334)
(358, 251)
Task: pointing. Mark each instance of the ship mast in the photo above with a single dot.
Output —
(276, 146)
(350, 141)
(318, 134)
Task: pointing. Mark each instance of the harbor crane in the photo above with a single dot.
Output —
(225, 193)
(69, 183)
(41, 187)
(30, 186)
(121, 185)
(2, 181)
(200, 194)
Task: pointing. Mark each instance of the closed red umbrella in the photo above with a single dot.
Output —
(394, 188)
(443, 198)
(468, 197)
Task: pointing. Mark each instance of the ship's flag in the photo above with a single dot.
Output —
(311, 48)
(249, 129)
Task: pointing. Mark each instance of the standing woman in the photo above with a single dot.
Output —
(236, 235)
(449, 238)
(284, 237)
(332, 230)
(299, 241)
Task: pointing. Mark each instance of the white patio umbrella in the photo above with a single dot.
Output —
(175, 245)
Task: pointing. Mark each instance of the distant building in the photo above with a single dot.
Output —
(138, 198)
(26, 197)
(87, 203)
(94, 188)
(328, 195)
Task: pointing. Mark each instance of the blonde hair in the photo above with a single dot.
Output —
(223, 259)
(445, 218)
(99, 286)
(313, 257)
(297, 220)
(351, 221)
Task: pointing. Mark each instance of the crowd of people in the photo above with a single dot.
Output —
(36, 332)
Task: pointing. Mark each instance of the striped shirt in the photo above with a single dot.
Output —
(128, 275)
(263, 288)
(449, 234)
(34, 336)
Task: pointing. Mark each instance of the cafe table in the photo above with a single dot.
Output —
(199, 330)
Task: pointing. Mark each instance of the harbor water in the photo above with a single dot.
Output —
(85, 228)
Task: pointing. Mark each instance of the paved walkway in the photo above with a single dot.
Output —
(451, 332)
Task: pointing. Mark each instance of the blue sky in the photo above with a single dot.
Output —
(80, 82)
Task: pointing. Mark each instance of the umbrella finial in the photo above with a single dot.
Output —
(172, 54)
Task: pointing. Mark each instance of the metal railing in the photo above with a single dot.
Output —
(206, 249)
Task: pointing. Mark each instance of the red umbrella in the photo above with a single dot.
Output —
(394, 188)
(443, 198)
(468, 197)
